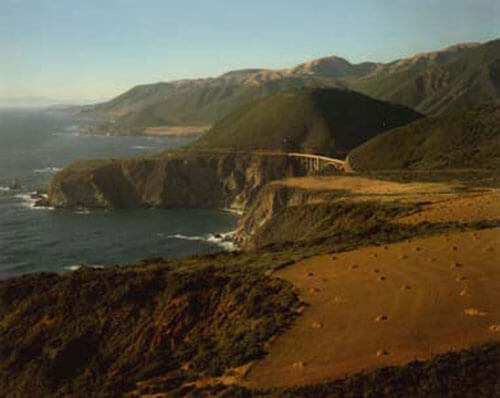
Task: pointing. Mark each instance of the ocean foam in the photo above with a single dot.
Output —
(223, 240)
(186, 237)
(142, 147)
(67, 134)
(83, 212)
(48, 170)
(4, 189)
(29, 202)
(76, 267)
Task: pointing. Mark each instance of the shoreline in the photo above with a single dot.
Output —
(154, 131)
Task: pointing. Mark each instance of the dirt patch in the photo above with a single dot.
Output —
(175, 130)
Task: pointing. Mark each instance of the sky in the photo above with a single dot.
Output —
(96, 49)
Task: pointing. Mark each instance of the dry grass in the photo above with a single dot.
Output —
(367, 186)
(417, 307)
(388, 305)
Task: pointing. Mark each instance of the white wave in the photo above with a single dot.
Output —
(26, 199)
(141, 147)
(223, 240)
(29, 201)
(4, 189)
(67, 134)
(186, 237)
(83, 211)
(76, 267)
(48, 170)
(42, 207)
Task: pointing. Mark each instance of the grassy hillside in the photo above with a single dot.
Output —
(325, 121)
(469, 78)
(465, 139)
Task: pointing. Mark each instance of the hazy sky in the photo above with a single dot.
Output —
(96, 49)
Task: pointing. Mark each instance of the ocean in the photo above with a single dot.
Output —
(34, 145)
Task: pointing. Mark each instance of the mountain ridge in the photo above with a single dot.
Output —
(430, 82)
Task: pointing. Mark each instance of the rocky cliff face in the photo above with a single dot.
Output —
(274, 199)
(183, 180)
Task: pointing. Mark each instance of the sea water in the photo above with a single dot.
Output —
(34, 145)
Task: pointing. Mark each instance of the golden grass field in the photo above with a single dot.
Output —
(389, 305)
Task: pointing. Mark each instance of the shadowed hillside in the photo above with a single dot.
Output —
(322, 121)
(466, 139)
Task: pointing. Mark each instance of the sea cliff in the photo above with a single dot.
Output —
(172, 180)
(272, 200)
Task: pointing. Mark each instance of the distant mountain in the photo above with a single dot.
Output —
(324, 121)
(462, 139)
(454, 78)
(188, 103)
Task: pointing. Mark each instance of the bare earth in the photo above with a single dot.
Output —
(175, 130)
(389, 305)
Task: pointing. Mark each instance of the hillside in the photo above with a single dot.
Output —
(433, 82)
(322, 121)
(455, 80)
(466, 139)
(121, 329)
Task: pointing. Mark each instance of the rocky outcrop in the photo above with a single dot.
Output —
(172, 180)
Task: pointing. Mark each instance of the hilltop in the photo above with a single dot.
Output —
(323, 121)
(460, 140)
